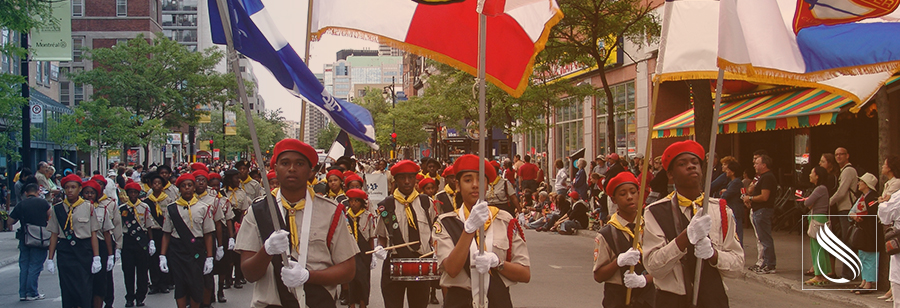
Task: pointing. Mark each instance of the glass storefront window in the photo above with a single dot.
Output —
(626, 125)
(569, 128)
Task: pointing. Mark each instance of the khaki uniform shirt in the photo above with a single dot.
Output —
(253, 189)
(82, 220)
(143, 217)
(172, 191)
(500, 193)
(662, 258)
(224, 205)
(367, 224)
(111, 214)
(603, 254)
(215, 207)
(238, 199)
(195, 219)
(161, 205)
(320, 256)
(422, 222)
(443, 245)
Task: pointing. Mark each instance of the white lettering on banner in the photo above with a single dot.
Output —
(331, 104)
(377, 186)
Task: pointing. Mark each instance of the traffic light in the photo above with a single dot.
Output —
(394, 139)
(210, 143)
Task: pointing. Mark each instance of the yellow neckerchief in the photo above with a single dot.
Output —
(292, 223)
(145, 187)
(490, 188)
(615, 223)
(101, 198)
(685, 202)
(71, 209)
(355, 217)
(407, 202)
(437, 178)
(168, 184)
(156, 200)
(313, 182)
(134, 208)
(233, 195)
(333, 195)
(452, 195)
(487, 224)
(187, 204)
(202, 195)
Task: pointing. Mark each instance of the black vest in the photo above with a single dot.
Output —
(389, 218)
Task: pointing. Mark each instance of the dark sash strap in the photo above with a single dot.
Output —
(389, 218)
(135, 231)
(266, 226)
(619, 243)
(184, 233)
(160, 218)
(61, 217)
(446, 204)
(454, 228)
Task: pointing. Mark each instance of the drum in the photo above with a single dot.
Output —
(415, 269)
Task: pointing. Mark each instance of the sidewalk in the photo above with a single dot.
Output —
(9, 249)
(789, 276)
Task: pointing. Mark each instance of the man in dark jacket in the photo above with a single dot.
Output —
(30, 211)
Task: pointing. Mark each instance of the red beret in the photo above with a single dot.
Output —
(448, 172)
(419, 177)
(100, 179)
(469, 163)
(348, 173)
(573, 194)
(199, 173)
(133, 185)
(70, 178)
(294, 145)
(404, 166)
(426, 181)
(678, 148)
(335, 172)
(93, 184)
(353, 177)
(496, 164)
(184, 177)
(199, 166)
(357, 194)
(213, 175)
(619, 179)
(271, 175)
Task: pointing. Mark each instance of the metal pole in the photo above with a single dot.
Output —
(303, 113)
(393, 119)
(710, 160)
(25, 150)
(481, 299)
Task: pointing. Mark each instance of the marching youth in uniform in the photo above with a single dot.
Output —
(505, 260)
(354, 181)
(427, 186)
(273, 179)
(335, 180)
(239, 202)
(330, 260)
(165, 172)
(112, 210)
(446, 197)
(674, 237)
(188, 241)
(501, 193)
(362, 227)
(614, 252)
(404, 217)
(223, 217)
(136, 245)
(157, 200)
(250, 186)
(212, 212)
(90, 192)
(74, 238)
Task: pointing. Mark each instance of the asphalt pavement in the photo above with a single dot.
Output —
(560, 277)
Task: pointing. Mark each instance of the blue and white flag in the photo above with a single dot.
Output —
(256, 36)
(340, 147)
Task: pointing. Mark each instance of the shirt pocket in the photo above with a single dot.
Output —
(501, 241)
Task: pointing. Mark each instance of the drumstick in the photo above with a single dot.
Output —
(394, 247)
(427, 255)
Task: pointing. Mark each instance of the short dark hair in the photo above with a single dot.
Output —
(161, 167)
(765, 159)
(760, 153)
(241, 164)
(26, 172)
(734, 166)
(893, 162)
(527, 158)
(559, 163)
(821, 173)
(30, 188)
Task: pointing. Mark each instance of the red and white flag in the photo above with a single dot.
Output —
(516, 31)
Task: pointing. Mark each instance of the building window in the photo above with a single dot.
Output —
(38, 73)
(536, 140)
(77, 43)
(121, 41)
(64, 93)
(569, 128)
(45, 73)
(121, 8)
(243, 69)
(77, 8)
(79, 93)
(625, 121)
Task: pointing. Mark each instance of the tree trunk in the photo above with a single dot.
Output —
(703, 111)
(611, 141)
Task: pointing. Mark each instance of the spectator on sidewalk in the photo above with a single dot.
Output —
(890, 170)
(562, 207)
(600, 168)
(580, 182)
(528, 174)
(30, 211)
(830, 164)
(575, 219)
(562, 178)
(867, 248)
(817, 202)
(762, 202)
(842, 198)
(732, 195)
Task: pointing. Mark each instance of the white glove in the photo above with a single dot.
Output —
(220, 252)
(110, 262)
(231, 244)
(477, 216)
(118, 255)
(208, 266)
(703, 249)
(294, 276)
(278, 243)
(96, 266)
(380, 253)
(485, 261)
(698, 228)
(152, 248)
(163, 264)
(49, 266)
(634, 281)
(373, 264)
(629, 258)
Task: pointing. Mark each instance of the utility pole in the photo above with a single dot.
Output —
(25, 149)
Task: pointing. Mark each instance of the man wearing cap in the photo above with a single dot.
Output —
(331, 249)
(600, 168)
(675, 236)
(446, 198)
(614, 252)
(404, 217)
(528, 174)
(135, 244)
(250, 186)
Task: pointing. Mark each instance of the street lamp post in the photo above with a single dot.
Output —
(393, 104)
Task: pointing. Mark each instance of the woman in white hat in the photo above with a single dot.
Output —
(867, 248)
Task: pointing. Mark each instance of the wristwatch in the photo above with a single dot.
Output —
(500, 267)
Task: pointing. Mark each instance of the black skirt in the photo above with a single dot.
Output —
(186, 258)
(360, 285)
(100, 279)
(74, 257)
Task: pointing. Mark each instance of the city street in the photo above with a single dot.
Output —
(560, 277)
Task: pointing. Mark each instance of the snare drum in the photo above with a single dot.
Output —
(415, 269)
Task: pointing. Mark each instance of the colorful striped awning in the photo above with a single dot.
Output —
(802, 108)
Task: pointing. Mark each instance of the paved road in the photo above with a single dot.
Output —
(561, 277)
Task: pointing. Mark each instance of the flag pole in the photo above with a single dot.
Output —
(309, 10)
(242, 93)
(648, 159)
(481, 297)
(710, 163)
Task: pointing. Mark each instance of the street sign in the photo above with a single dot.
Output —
(215, 154)
(174, 138)
(37, 113)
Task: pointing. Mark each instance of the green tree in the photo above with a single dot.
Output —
(269, 129)
(327, 136)
(590, 27)
(96, 123)
(162, 83)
